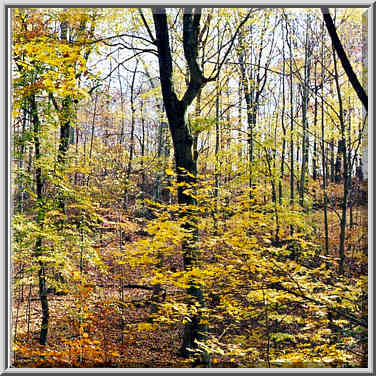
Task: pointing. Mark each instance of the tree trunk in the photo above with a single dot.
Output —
(38, 244)
(305, 100)
(283, 120)
(292, 194)
(176, 111)
(323, 152)
(314, 156)
(131, 141)
(65, 118)
(332, 163)
(345, 172)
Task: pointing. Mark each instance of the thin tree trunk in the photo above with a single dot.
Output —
(350, 172)
(314, 157)
(21, 160)
(240, 124)
(332, 163)
(131, 141)
(305, 100)
(323, 154)
(65, 119)
(251, 118)
(283, 120)
(143, 176)
(345, 172)
(38, 244)
(292, 194)
(217, 142)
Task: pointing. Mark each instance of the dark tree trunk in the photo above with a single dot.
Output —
(65, 121)
(38, 245)
(182, 143)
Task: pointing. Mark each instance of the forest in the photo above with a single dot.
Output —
(189, 188)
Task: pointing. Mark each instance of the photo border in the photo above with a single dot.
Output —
(5, 186)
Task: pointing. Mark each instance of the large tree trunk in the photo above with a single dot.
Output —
(182, 143)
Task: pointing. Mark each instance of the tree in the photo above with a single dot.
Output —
(186, 167)
(185, 163)
(232, 281)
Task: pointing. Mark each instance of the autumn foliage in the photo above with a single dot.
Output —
(267, 251)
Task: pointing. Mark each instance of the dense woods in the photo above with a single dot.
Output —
(189, 188)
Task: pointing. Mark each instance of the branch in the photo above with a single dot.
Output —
(230, 47)
(191, 26)
(127, 59)
(339, 311)
(146, 26)
(343, 57)
(51, 96)
(165, 57)
(120, 36)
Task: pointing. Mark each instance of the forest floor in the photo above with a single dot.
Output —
(100, 324)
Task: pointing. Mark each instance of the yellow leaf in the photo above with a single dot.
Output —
(169, 171)
(145, 326)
